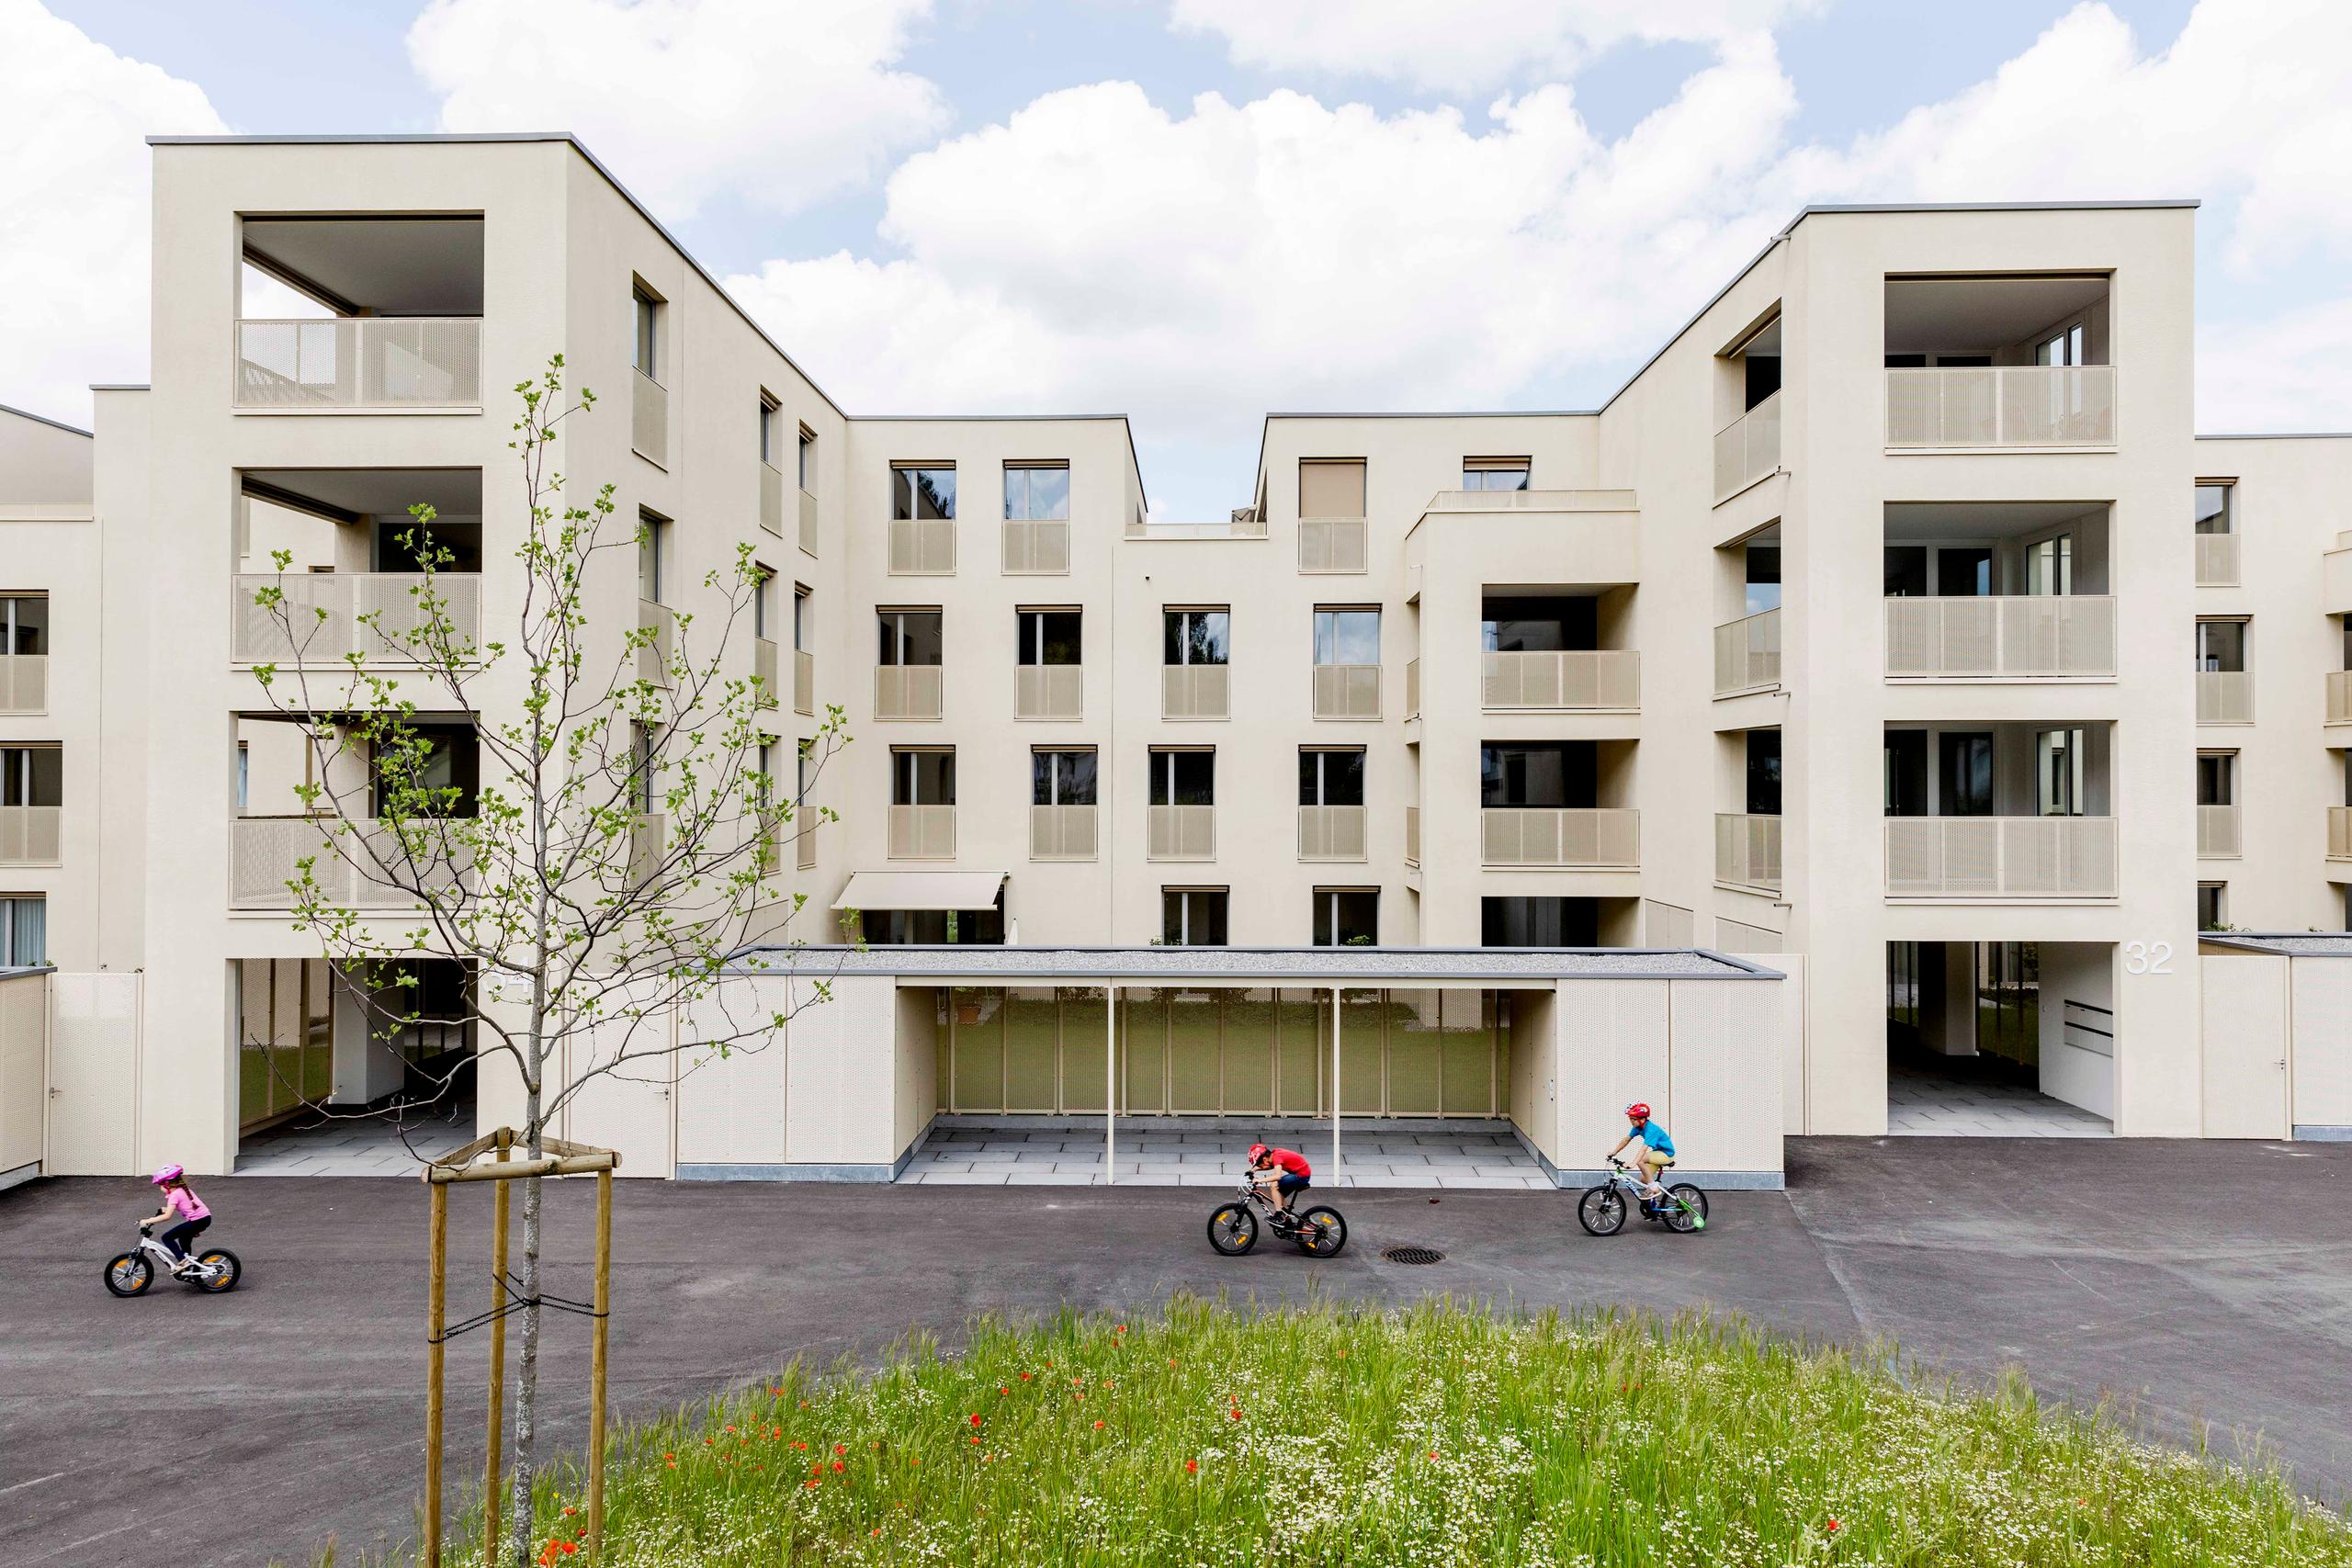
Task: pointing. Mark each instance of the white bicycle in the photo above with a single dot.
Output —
(209, 1269)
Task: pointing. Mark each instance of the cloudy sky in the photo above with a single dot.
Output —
(1192, 211)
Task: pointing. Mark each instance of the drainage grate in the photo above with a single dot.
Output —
(1412, 1255)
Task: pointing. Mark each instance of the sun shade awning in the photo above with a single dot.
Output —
(920, 890)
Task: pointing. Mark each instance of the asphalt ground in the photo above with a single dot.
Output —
(2203, 1290)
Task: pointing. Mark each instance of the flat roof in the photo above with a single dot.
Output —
(1325, 966)
(2301, 944)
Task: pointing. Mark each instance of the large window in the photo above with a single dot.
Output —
(1762, 591)
(32, 775)
(1494, 473)
(24, 930)
(2058, 768)
(1183, 777)
(645, 316)
(2220, 645)
(808, 461)
(2213, 905)
(1764, 773)
(1535, 921)
(1331, 777)
(2217, 778)
(923, 777)
(922, 492)
(24, 623)
(910, 636)
(1537, 626)
(1192, 917)
(1537, 774)
(1061, 778)
(771, 432)
(2216, 512)
(1347, 917)
(1347, 637)
(1049, 637)
(1195, 637)
(1037, 492)
(1966, 775)
(652, 557)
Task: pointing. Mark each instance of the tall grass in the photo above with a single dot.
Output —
(1435, 1435)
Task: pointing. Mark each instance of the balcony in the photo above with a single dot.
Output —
(1605, 679)
(31, 835)
(333, 615)
(348, 362)
(2339, 832)
(1748, 448)
(2339, 696)
(1331, 832)
(1412, 688)
(1196, 691)
(1576, 837)
(922, 832)
(1747, 850)
(1062, 832)
(2219, 833)
(772, 498)
(2000, 857)
(2225, 697)
(649, 419)
(265, 854)
(1412, 835)
(763, 665)
(807, 525)
(906, 691)
(2000, 407)
(2007, 637)
(24, 683)
(653, 655)
(1048, 691)
(1329, 545)
(1347, 690)
(1039, 548)
(649, 840)
(804, 681)
(1181, 832)
(1238, 527)
(2217, 560)
(922, 547)
(1747, 654)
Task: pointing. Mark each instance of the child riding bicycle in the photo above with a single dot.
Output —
(1284, 1172)
(1657, 1150)
(179, 1199)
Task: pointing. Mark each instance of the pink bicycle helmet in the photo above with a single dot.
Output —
(169, 1173)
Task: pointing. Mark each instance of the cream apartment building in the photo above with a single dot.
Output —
(1892, 627)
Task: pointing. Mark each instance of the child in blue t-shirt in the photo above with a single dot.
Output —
(1657, 1149)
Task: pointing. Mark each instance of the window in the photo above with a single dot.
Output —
(2216, 778)
(2063, 347)
(922, 492)
(922, 778)
(2213, 905)
(1967, 775)
(2220, 645)
(439, 775)
(24, 623)
(24, 930)
(1049, 637)
(1061, 778)
(2216, 509)
(1538, 773)
(1537, 626)
(1764, 773)
(1904, 772)
(1331, 777)
(1195, 637)
(1192, 917)
(244, 774)
(763, 590)
(1329, 488)
(645, 312)
(802, 773)
(1183, 777)
(808, 461)
(803, 625)
(1763, 592)
(653, 556)
(1347, 637)
(1907, 572)
(910, 636)
(32, 775)
(2058, 767)
(641, 766)
(770, 418)
(1523, 921)
(1494, 473)
(1964, 571)
(1347, 917)
(1037, 492)
(2050, 565)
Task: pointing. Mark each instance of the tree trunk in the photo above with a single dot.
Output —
(527, 1390)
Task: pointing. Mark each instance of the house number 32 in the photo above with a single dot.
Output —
(2147, 958)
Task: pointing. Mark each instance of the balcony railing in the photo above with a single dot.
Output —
(1061, 832)
(360, 362)
(649, 840)
(2000, 857)
(648, 418)
(772, 498)
(2011, 405)
(807, 524)
(1747, 850)
(2225, 697)
(2339, 696)
(1181, 832)
(1196, 691)
(1039, 548)
(2014, 636)
(906, 691)
(24, 683)
(1606, 838)
(1412, 835)
(1048, 691)
(924, 546)
(264, 852)
(2219, 833)
(653, 657)
(1236, 528)
(31, 835)
(922, 832)
(1412, 688)
(1748, 448)
(1347, 690)
(804, 681)
(763, 665)
(1608, 679)
(2339, 832)
(324, 611)
(804, 824)
(2217, 560)
(1331, 543)
(1748, 653)
(1331, 832)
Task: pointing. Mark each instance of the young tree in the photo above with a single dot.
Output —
(611, 881)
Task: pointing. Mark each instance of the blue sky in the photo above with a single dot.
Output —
(960, 207)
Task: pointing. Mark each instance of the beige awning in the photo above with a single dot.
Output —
(920, 890)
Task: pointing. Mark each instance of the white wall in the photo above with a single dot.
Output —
(2323, 1042)
(24, 1069)
(2083, 972)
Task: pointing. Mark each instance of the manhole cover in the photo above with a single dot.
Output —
(1412, 1255)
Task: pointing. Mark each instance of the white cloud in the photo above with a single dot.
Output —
(781, 101)
(1463, 44)
(73, 205)
(2283, 374)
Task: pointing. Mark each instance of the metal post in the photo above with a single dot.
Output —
(596, 1364)
(432, 1318)
(1335, 1085)
(497, 1353)
(1110, 1083)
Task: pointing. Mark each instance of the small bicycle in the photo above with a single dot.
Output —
(212, 1269)
(1233, 1229)
(1601, 1210)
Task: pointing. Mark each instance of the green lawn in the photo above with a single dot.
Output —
(1432, 1436)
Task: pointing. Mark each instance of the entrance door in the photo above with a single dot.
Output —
(628, 1113)
(2244, 1001)
(92, 1067)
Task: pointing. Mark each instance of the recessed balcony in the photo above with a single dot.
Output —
(2339, 696)
(1747, 850)
(1998, 364)
(2339, 832)
(2007, 638)
(265, 853)
(1749, 448)
(1600, 838)
(351, 314)
(1603, 680)
(1748, 653)
(2000, 857)
(351, 584)
(2014, 591)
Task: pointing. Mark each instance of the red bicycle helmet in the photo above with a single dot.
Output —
(1257, 1152)
(1637, 1111)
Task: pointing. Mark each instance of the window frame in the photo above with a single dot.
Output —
(1027, 467)
(914, 491)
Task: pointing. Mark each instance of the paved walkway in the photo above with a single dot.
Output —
(1922, 1104)
(316, 1144)
(1463, 1158)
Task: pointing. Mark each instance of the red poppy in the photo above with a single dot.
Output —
(569, 1548)
(1098, 1425)
(1833, 1527)
(1192, 1467)
(837, 1466)
(1025, 1377)
(975, 1418)
(810, 1484)
(568, 1509)
(840, 1448)
(1004, 1391)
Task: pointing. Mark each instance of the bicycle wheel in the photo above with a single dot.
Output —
(1688, 1211)
(1601, 1210)
(1233, 1229)
(1322, 1231)
(128, 1273)
(223, 1270)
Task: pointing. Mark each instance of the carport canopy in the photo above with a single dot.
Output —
(920, 890)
